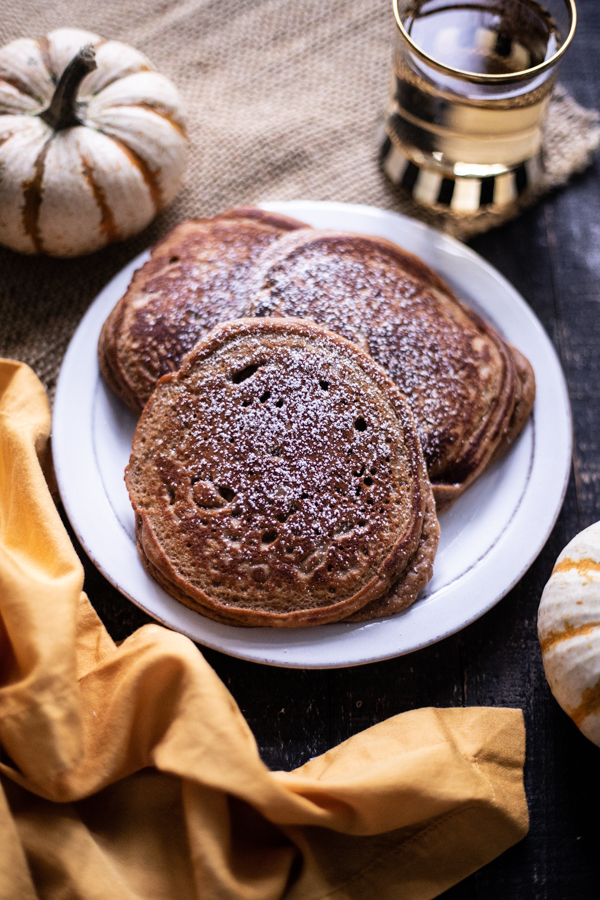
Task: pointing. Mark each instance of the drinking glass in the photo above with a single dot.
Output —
(471, 84)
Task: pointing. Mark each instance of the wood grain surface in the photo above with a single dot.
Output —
(552, 256)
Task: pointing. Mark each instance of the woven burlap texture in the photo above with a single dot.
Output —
(285, 101)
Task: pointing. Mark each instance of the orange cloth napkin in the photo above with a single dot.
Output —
(129, 772)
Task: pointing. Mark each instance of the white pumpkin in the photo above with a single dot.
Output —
(569, 631)
(92, 143)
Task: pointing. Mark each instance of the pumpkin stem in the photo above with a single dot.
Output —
(62, 110)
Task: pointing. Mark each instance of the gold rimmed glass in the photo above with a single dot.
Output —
(472, 81)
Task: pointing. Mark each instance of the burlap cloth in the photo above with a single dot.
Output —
(285, 101)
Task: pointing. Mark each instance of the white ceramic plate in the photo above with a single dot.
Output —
(488, 539)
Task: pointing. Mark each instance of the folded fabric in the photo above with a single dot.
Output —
(129, 772)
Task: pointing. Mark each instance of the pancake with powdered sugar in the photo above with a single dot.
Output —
(194, 279)
(470, 392)
(277, 479)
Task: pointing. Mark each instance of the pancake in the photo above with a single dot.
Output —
(194, 279)
(277, 479)
(470, 391)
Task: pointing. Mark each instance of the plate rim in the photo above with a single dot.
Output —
(442, 242)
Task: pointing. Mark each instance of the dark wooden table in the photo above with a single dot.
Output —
(552, 256)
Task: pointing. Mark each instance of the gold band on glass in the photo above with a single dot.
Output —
(489, 79)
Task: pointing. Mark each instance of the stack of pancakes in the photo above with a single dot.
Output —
(277, 479)
(261, 501)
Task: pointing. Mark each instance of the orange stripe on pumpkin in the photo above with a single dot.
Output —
(124, 74)
(32, 194)
(582, 566)
(155, 108)
(149, 175)
(555, 637)
(590, 704)
(44, 48)
(21, 86)
(107, 221)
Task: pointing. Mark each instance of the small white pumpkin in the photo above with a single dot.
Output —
(569, 631)
(92, 143)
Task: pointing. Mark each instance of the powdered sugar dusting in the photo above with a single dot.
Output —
(285, 469)
(438, 355)
(178, 297)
